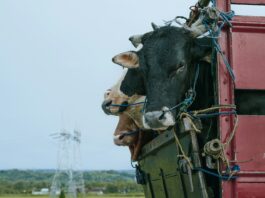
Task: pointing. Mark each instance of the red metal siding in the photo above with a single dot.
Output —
(248, 53)
(244, 47)
(250, 143)
(250, 2)
(250, 190)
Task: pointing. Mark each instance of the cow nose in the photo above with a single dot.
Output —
(106, 106)
(153, 116)
(158, 120)
(117, 140)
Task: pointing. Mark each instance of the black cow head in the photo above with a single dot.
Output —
(166, 65)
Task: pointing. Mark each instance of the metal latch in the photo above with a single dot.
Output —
(140, 175)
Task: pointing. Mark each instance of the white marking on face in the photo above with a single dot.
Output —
(146, 126)
(168, 118)
(117, 86)
(166, 121)
(117, 141)
(139, 47)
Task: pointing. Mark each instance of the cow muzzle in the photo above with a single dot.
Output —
(113, 109)
(158, 120)
(125, 140)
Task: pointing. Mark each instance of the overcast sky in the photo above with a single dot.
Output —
(55, 64)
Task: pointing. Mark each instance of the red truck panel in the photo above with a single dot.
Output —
(244, 47)
(249, 2)
(250, 143)
(250, 190)
(248, 48)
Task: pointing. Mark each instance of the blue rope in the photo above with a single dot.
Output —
(145, 102)
(214, 3)
(215, 114)
(129, 133)
(222, 177)
(188, 101)
(217, 47)
(228, 66)
(196, 76)
(226, 17)
(126, 105)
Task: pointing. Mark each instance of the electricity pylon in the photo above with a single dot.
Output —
(68, 177)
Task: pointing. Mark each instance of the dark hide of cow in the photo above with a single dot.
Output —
(133, 83)
(166, 68)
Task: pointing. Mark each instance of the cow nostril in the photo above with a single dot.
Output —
(161, 116)
(123, 106)
(107, 104)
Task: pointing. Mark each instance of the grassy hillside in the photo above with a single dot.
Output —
(47, 175)
(89, 196)
(24, 181)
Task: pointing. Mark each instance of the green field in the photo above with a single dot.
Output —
(88, 196)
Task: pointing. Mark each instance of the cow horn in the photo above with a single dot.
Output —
(209, 14)
(154, 26)
(136, 40)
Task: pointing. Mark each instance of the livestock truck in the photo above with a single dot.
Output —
(159, 169)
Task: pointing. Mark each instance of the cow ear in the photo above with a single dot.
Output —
(201, 48)
(127, 59)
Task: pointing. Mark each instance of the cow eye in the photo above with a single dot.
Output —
(107, 93)
(180, 69)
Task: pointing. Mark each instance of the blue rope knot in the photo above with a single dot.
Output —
(188, 101)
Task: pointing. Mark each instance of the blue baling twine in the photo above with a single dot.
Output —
(215, 114)
(222, 177)
(226, 17)
(196, 76)
(188, 101)
(214, 3)
(126, 105)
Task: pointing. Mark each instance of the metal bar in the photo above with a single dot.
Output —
(183, 184)
(164, 182)
(163, 139)
(150, 186)
(197, 163)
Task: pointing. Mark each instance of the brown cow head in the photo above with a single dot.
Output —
(135, 140)
(114, 96)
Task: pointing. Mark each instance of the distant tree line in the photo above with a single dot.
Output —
(24, 181)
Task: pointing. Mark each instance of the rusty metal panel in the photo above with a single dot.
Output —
(249, 2)
(249, 140)
(248, 49)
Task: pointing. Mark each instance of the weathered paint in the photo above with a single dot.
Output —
(249, 2)
(244, 47)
